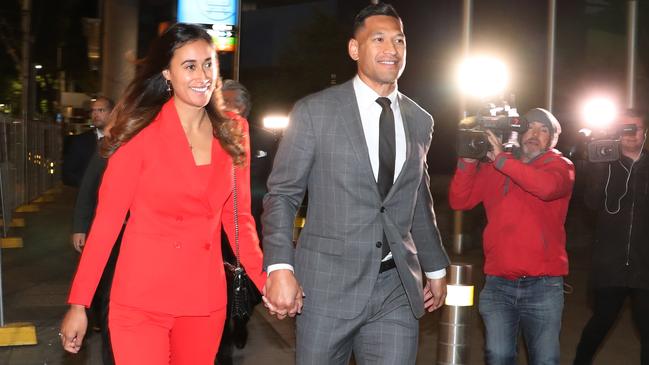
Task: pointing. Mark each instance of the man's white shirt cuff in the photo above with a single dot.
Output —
(436, 274)
(274, 267)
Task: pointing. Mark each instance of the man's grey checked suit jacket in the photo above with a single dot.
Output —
(337, 259)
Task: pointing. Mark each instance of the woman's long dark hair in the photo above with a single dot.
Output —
(147, 92)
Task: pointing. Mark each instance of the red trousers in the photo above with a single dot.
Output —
(140, 337)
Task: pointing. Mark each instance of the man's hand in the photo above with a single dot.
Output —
(496, 145)
(434, 293)
(73, 328)
(78, 241)
(283, 294)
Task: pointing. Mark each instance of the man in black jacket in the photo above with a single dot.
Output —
(618, 191)
(84, 213)
(78, 150)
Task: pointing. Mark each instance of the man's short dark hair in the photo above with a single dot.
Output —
(109, 101)
(638, 113)
(372, 10)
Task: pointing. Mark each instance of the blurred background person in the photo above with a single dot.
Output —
(263, 144)
(78, 150)
(84, 212)
(173, 153)
(618, 192)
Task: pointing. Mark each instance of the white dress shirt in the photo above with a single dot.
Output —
(370, 112)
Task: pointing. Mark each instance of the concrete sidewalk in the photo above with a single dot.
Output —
(36, 281)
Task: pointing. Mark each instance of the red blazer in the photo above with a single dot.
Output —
(170, 259)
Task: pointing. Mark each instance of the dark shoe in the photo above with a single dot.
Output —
(239, 334)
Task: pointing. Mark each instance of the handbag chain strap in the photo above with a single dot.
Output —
(236, 215)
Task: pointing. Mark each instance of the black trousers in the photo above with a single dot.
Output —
(607, 303)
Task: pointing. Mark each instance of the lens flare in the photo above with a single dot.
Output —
(599, 112)
(482, 77)
(275, 122)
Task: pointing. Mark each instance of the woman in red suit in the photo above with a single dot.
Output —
(173, 153)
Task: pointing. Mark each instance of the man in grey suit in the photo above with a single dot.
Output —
(360, 150)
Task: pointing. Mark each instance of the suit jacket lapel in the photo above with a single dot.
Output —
(350, 117)
(221, 165)
(178, 154)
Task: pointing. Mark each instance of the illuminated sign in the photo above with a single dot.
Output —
(221, 14)
(225, 37)
(208, 11)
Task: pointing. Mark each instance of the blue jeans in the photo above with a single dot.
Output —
(531, 304)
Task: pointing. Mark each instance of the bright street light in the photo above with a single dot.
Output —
(275, 122)
(38, 66)
(482, 77)
(599, 112)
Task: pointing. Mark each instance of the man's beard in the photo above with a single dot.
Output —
(530, 155)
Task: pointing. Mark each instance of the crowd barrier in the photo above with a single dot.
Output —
(30, 160)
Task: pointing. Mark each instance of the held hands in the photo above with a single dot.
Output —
(78, 241)
(73, 328)
(434, 293)
(283, 295)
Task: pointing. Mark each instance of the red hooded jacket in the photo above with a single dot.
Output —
(526, 205)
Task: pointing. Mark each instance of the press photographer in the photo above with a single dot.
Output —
(618, 190)
(525, 194)
(605, 145)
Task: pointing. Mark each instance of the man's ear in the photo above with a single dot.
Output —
(352, 49)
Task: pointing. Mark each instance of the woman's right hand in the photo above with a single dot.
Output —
(73, 328)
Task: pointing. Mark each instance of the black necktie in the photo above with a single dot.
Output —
(386, 156)
(386, 147)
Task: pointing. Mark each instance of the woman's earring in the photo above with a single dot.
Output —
(169, 90)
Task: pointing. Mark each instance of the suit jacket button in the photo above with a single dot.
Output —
(382, 209)
(179, 219)
(379, 244)
(177, 244)
(207, 246)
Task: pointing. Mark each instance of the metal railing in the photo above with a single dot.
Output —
(31, 153)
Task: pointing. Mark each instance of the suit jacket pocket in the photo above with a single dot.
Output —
(321, 244)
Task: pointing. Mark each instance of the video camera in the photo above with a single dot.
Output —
(502, 119)
(604, 146)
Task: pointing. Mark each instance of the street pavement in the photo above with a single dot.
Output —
(36, 281)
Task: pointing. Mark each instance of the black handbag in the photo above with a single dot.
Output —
(243, 293)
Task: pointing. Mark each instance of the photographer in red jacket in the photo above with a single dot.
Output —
(525, 195)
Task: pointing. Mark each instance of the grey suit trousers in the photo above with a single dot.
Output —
(385, 332)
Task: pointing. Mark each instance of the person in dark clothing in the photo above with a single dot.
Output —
(618, 191)
(263, 145)
(84, 212)
(78, 150)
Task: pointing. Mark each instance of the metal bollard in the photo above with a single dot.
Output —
(453, 340)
